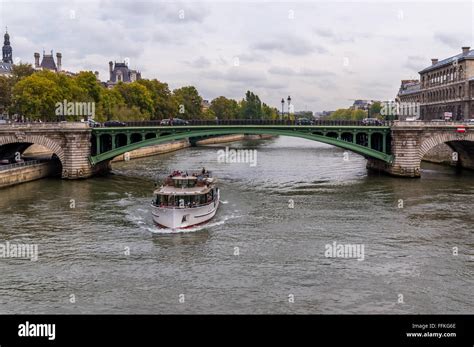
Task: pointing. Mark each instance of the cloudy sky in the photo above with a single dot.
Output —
(323, 54)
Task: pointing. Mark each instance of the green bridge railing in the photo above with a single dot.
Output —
(367, 140)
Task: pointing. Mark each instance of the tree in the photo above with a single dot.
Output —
(5, 93)
(110, 100)
(269, 113)
(341, 113)
(164, 105)
(21, 70)
(126, 113)
(224, 108)
(251, 107)
(208, 114)
(358, 114)
(189, 102)
(137, 95)
(35, 97)
(375, 109)
(87, 81)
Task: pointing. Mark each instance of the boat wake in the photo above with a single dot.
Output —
(141, 218)
(210, 224)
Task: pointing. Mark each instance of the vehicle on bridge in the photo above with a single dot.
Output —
(174, 121)
(114, 123)
(304, 121)
(372, 121)
(184, 200)
(93, 124)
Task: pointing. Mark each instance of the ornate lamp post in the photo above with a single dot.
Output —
(289, 103)
(282, 105)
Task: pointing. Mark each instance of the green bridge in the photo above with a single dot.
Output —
(368, 141)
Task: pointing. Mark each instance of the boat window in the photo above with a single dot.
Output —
(164, 200)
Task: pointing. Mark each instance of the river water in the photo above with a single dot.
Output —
(99, 251)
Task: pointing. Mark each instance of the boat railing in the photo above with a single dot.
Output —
(184, 206)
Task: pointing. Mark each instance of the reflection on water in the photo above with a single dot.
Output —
(97, 240)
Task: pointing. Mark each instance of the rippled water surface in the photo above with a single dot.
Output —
(83, 250)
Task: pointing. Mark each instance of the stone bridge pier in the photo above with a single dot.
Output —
(412, 140)
(70, 142)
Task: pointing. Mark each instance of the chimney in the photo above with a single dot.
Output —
(111, 69)
(37, 60)
(434, 61)
(59, 57)
(465, 50)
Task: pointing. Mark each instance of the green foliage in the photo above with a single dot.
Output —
(347, 114)
(5, 92)
(164, 105)
(208, 114)
(251, 107)
(36, 96)
(87, 81)
(110, 101)
(269, 113)
(20, 71)
(375, 109)
(225, 108)
(188, 102)
(137, 96)
(129, 113)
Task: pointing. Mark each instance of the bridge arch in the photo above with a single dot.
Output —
(29, 140)
(462, 143)
(331, 137)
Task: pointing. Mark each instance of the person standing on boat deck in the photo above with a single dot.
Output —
(203, 171)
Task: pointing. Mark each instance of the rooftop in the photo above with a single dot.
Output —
(458, 57)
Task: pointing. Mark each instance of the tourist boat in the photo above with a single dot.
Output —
(184, 200)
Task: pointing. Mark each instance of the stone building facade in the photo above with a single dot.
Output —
(6, 64)
(120, 72)
(408, 99)
(445, 86)
(48, 63)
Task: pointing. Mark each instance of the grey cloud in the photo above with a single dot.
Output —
(450, 40)
(199, 63)
(158, 11)
(291, 45)
(303, 72)
(337, 37)
(415, 63)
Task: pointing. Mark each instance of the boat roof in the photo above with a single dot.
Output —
(184, 178)
(170, 190)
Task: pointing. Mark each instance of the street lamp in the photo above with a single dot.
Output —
(289, 103)
(282, 104)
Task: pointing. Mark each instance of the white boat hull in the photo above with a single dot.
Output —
(177, 218)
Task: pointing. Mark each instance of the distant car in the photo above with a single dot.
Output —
(3, 121)
(114, 123)
(470, 121)
(304, 121)
(92, 123)
(411, 119)
(4, 161)
(371, 121)
(174, 121)
(438, 120)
